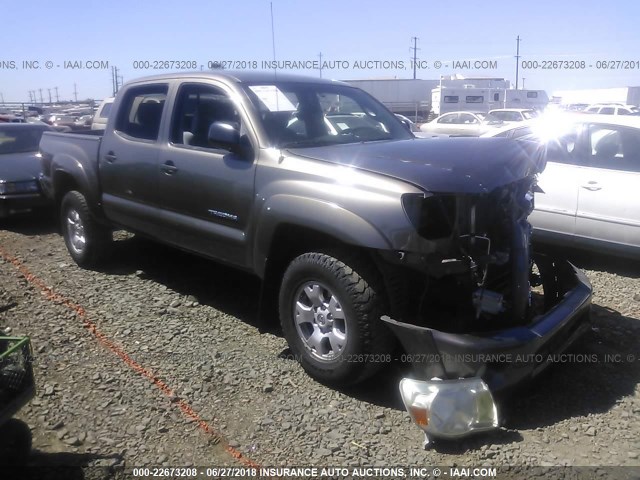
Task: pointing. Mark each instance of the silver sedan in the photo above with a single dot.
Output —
(461, 124)
(590, 184)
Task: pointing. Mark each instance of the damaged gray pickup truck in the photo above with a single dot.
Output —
(371, 244)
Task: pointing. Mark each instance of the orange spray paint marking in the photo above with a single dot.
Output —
(184, 407)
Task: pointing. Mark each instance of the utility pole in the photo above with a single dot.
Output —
(115, 80)
(415, 55)
(320, 55)
(49, 95)
(523, 79)
(41, 99)
(75, 92)
(57, 97)
(517, 58)
(1, 98)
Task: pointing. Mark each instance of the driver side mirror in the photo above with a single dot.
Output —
(225, 136)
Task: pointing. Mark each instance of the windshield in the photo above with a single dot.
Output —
(309, 115)
(19, 140)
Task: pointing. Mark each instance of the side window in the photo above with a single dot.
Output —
(448, 119)
(467, 119)
(623, 111)
(607, 111)
(106, 108)
(615, 148)
(474, 99)
(141, 111)
(197, 107)
(451, 99)
(562, 149)
(496, 97)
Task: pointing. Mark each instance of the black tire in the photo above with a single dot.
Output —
(360, 343)
(15, 442)
(86, 240)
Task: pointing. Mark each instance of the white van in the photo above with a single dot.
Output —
(102, 114)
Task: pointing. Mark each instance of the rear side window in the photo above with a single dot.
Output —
(475, 99)
(141, 111)
(450, 99)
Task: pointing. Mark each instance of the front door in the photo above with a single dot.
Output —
(206, 192)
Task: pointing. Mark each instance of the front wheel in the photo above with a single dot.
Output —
(330, 315)
(86, 240)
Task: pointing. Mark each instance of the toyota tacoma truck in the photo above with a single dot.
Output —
(368, 241)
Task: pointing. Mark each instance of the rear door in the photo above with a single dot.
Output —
(206, 192)
(609, 198)
(129, 156)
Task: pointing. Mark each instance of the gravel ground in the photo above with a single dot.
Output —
(166, 363)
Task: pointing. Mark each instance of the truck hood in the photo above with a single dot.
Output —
(452, 165)
(15, 167)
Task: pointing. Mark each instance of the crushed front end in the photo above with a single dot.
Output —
(476, 311)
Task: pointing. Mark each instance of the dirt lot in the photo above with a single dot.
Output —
(160, 359)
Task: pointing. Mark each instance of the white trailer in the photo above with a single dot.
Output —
(471, 98)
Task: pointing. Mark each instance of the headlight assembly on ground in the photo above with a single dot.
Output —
(449, 408)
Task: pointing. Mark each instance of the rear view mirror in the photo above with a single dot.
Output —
(224, 135)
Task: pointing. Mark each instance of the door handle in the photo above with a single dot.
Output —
(110, 157)
(592, 186)
(169, 168)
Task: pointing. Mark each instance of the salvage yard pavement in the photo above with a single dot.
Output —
(160, 359)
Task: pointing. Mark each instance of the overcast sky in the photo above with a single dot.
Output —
(349, 34)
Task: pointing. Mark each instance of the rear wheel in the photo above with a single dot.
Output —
(86, 240)
(330, 315)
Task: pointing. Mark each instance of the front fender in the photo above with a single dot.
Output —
(314, 214)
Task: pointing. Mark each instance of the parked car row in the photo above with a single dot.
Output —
(20, 168)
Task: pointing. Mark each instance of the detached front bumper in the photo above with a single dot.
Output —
(499, 360)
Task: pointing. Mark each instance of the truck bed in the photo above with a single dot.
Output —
(76, 152)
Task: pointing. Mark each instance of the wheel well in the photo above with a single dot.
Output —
(288, 242)
(63, 183)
